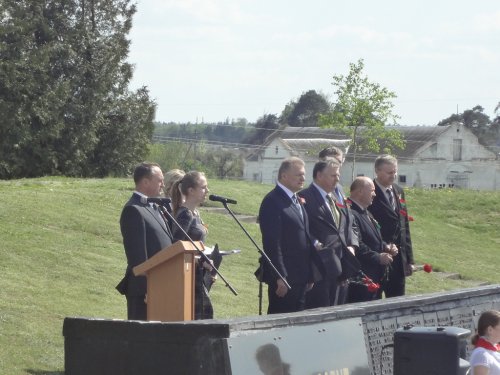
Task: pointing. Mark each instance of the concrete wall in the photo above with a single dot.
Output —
(94, 346)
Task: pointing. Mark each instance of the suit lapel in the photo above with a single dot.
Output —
(384, 202)
(324, 211)
(287, 202)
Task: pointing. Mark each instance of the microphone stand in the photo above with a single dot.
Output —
(164, 211)
(263, 256)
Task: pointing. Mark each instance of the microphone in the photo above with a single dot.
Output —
(159, 201)
(217, 198)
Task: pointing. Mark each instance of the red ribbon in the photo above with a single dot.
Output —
(482, 343)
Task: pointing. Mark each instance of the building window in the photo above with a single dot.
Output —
(457, 149)
(276, 149)
(360, 174)
(402, 178)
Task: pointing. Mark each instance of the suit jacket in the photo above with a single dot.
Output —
(335, 256)
(286, 239)
(144, 234)
(394, 224)
(370, 243)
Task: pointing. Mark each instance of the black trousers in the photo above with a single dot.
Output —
(136, 308)
(293, 301)
(322, 294)
(395, 285)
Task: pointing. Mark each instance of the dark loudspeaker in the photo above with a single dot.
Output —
(430, 351)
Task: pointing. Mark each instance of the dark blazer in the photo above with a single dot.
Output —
(144, 234)
(370, 243)
(394, 224)
(285, 239)
(335, 240)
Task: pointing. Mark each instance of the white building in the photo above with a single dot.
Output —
(434, 157)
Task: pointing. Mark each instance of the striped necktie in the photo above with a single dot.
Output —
(297, 205)
(334, 209)
(390, 197)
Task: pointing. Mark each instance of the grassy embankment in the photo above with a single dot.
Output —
(61, 255)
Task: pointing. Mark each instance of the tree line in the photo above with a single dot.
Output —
(66, 107)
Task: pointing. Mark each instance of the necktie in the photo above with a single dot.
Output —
(334, 209)
(390, 198)
(297, 204)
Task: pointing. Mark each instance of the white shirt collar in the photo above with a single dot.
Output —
(287, 190)
(323, 192)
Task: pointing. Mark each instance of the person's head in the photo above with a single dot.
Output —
(332, 152)
(171, 177)
(192, 188)
(326, 173)
(148, 179)
(488, 326)
(386, 169)
(269, 360)
(363, 191)
(292, 173)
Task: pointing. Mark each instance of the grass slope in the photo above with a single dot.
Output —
(61, 255)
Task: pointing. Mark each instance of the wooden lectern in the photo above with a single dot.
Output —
(170, 277)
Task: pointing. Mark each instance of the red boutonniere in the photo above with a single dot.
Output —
(302, 200)
(404, 213)
(348, 202)
(339, 205)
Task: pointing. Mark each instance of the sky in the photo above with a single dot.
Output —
(213, 60)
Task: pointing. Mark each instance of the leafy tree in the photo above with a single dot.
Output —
(264, 127)
(224, 163)
(479, 123)
(63, 79)
(306, 111)
(361, 112)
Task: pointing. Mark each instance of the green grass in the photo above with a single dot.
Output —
(61, 255)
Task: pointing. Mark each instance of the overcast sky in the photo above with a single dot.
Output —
(221, 59)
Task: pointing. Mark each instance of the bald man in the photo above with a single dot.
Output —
(373, 253)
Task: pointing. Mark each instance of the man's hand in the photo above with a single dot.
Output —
(209, 266)
(281, 289)
(385, 259)
(392, 249)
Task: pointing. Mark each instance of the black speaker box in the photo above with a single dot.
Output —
(430, 351)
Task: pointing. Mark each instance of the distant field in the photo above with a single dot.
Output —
(61, 255)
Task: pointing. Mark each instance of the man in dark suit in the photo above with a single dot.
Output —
(389, 209)
(144, 234)
(286, 240)
(331, 226)
(373, 253)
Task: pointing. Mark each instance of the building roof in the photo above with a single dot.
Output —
(310, 147)
(306, 141)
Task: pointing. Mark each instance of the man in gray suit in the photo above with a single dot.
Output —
(144, 233)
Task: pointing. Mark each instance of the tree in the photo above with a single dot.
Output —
(479, 123)
(306, 111)
(362, 110)
(265, 126)
(63, 81)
